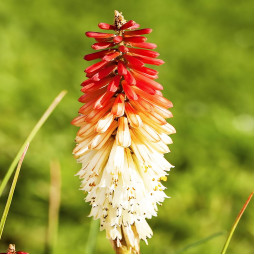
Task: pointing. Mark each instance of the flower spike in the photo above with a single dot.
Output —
(123, 133)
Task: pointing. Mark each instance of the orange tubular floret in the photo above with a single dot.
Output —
(114, 84)
(97, 114)
(149, 82)
(78, 121)
(129, 78)
(130, 93)
(102, 101)
(92, 95)
(95, 85)
(133, 117)
(103, 72)
(158, 100)
(118, 107)
(122, 70)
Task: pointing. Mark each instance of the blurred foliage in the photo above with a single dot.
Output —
(208, 50)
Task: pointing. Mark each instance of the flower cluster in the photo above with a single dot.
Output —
(123, 133)
(12, 250)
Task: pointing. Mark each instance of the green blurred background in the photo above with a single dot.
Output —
(208, 74)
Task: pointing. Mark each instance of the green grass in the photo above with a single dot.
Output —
(208, 74)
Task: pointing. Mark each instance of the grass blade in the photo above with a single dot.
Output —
(9, 200)
(235, 224)
(54, 205)
(202, 241)
(91, 242)
(30, 137)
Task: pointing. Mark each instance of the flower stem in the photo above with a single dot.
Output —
(54, 205)
(235, 224)
(9, 200)
(30, 137)
(124, 246)
(91, 242)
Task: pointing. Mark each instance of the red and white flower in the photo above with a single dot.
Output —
(123, 132)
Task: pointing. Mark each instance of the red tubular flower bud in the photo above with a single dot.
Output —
(143, 86)
(103, 100)
(135, 39)
(139, 32)
(111, 56)
(123, 48)
(144, 45)
(129, 78)
(147, 75)
(103, 39)
(95, 66)
(117, 39)
(86, 82)
(147, 53)
(129, 91)
(148, 60)
(149, 82)
(98, 35)
(122, 70)
(127, 25)
(95, 85)
(103, 72)
(145, 70)
(96, 55)
(135, 26)
(92, 95)
(102, 45)
(106, 26)
(132, 61)
(114, 84)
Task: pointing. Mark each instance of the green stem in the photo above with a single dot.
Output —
(202, 241)
(235, 224)
(30, 138)
(91, 242)
(9, 200)
(54, 205)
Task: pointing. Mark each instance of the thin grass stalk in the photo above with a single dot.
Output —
(30, 137)
(9, 200)
(225, 247)
(54, 205)
(92, 237)
(197, 243)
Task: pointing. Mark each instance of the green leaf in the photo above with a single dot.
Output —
(9, 200)
(30, 137)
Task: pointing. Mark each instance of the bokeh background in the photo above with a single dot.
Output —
(208, 74)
